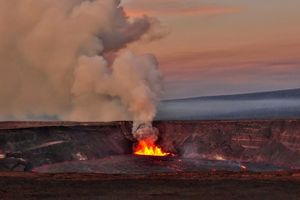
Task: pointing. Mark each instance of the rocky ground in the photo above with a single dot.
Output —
(203, 150)
(202, 185)
(269, 141)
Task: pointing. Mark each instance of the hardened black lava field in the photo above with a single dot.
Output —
(247, 159)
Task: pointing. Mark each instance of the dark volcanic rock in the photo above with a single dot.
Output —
(54, 144)
(200, 185)
(274, 142)
(141, 165)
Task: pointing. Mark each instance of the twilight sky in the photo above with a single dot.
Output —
(223, 47)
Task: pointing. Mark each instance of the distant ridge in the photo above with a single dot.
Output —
(278, 94)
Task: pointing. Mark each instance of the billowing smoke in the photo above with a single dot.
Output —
(68, 59)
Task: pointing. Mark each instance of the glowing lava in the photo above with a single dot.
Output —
(147, 148)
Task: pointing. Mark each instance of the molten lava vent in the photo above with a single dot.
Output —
(147, 136)
(149, 148)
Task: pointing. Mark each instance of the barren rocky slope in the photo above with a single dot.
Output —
(267, 141)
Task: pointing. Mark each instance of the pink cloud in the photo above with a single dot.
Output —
(184, 11)
(241, 70)
(175, 7)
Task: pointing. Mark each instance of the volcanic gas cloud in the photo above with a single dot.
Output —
(68, 60)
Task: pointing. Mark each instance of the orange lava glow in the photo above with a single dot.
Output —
(146, 148)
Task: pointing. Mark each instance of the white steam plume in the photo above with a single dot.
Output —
(66, 58)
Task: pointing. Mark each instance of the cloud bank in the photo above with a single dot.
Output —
(245, 69)
(176, 8)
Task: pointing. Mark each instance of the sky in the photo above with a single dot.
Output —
(216, 47)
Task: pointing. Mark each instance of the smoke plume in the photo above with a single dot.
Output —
(68, 59)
